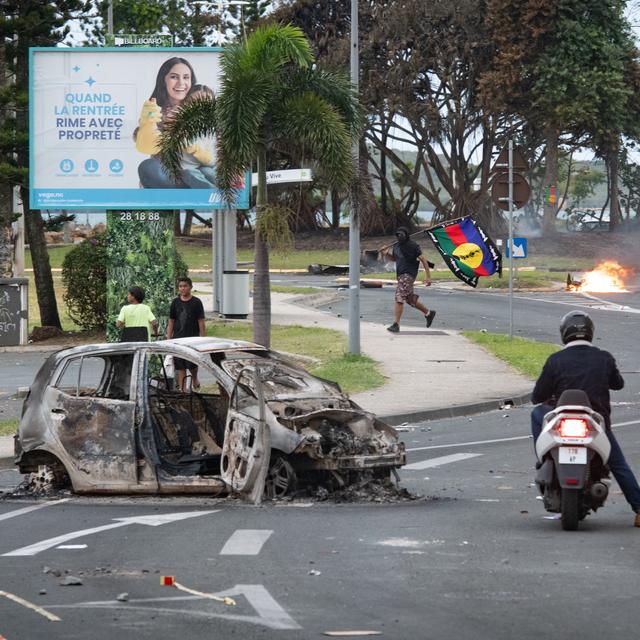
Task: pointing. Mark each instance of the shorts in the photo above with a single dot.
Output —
(180, 365)
(404, 290)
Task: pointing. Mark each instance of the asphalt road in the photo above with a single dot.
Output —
(475, 558)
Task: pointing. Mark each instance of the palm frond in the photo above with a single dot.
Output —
(309, 120)
(335, 88)
(190, 122)
(279, 43)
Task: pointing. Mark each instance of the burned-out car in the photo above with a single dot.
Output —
(108, 419)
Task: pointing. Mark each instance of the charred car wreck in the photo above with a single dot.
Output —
(106, 419)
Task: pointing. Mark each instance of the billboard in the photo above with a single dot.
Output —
(95, 119)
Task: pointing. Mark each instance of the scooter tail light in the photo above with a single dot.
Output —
(573, 428)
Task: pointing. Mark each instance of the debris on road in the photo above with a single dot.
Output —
(314, 572)
(71, 581)
(123, 597)
(170, 581)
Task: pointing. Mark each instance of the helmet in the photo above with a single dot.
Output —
(576, 325)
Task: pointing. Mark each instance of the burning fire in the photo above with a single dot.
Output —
(607, 277)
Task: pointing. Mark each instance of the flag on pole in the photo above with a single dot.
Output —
(467, 250)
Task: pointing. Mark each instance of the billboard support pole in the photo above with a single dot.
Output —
(510, 244)
(354, 218)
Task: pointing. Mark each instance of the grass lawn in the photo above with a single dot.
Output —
(8, 427)
(527, 356)
(352, 373)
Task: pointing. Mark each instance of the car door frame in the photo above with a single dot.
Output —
(246, 450)
(92, 461)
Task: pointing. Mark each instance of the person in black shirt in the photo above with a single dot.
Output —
(582, 366)
(186, 319)
(407, 255)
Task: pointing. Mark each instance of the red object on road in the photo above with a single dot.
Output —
(167, 581)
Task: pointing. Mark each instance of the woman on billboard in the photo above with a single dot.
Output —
(175, 84)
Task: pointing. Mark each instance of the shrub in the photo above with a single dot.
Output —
(84, 275)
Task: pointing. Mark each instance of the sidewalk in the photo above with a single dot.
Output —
(430, 373)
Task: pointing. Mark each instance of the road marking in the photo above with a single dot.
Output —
(475, 442)
(612, 306)
(436, 462)
(72, 546)
(151, 521)
(625, 424)
(30, 605)
(269, 612)
(246, 542)
(35, 507)
(467, 444)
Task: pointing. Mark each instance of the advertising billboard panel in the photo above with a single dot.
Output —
(95, 119)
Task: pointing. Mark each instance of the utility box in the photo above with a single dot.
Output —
(14, 301)
(235, 294)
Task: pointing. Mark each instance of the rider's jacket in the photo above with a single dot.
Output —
(579, 365)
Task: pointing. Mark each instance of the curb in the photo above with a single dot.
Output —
(454, 412)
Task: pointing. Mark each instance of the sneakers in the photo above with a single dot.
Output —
(429, 317)
(395, 328)
(636, 522)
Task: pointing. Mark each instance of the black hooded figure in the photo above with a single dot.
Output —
(408, 256)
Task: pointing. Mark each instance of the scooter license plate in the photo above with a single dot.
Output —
(572, 455)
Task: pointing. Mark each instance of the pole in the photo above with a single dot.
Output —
(110, 18)
(354, 219)
(510, 241)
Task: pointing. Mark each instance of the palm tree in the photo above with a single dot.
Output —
(273, 99)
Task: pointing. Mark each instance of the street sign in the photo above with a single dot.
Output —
(519, 248)
(502, 161)
(284, 176)
(500, 191)
(139, 40)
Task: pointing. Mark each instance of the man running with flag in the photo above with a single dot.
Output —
(407, 255)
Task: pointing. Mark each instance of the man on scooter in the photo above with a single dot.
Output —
(580, 365)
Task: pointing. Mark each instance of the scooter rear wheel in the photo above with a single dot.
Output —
(570, 509)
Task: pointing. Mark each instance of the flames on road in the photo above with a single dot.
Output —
(608, 277)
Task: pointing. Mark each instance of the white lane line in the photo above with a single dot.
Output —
(466, 444)
(35, 507)
(474, 442)
(436, 462)
(246, 542)
(30, 605)
(150, 520)
(612, 306)
(72, 546)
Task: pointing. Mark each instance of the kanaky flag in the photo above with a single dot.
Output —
(468, 251)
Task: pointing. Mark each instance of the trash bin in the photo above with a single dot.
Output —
(14, 301)
(235, 294)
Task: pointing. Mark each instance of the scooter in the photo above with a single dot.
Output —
(573, 450)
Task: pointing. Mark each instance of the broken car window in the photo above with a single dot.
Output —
(97, 376)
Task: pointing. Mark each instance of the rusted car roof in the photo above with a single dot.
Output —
(207, 344)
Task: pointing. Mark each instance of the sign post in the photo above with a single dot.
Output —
(510, 191)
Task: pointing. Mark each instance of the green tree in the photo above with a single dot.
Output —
(560, 66)
(273, 97)
(24, 24)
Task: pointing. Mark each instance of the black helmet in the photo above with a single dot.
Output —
(576, 325)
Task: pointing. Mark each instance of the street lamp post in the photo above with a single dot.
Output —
(354, 218)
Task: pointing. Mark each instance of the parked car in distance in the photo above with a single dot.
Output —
(107, 418)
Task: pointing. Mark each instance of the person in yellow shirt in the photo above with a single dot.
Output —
(135, 318)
